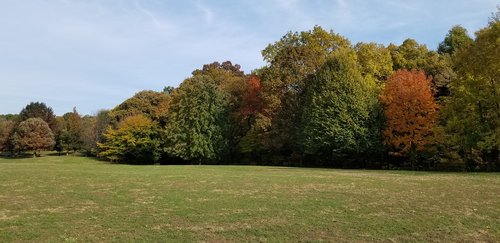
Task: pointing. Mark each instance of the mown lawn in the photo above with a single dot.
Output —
(79, 199)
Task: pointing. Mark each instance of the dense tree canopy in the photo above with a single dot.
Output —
(473, 110)
(33, 134)
(375, 61)
(197, 121)
(336, 109)
(150, 103)
(318, 98)
(136, 140)
(293, 60)
(233, 84)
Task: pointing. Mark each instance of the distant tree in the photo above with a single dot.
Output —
(33, 134)
(197, 120)
(336, 107)
(9, 117)
(456, 39)
(103, 122)
(168, 90)
(6, 130)
(149, 103)
(71, 131)
(39, 110)
(215, 70)
(410, 112)
(88, 135)
(135, 140)
(58, 133)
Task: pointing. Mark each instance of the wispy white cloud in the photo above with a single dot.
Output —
(157, 22)
(96, 53)
(208, 13)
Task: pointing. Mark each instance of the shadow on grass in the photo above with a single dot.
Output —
(28, 154)
(16, 156)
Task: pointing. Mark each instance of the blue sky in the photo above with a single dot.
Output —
(94, 54)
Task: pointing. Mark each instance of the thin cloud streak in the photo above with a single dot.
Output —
(94, 54)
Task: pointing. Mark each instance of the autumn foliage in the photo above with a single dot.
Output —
(410, 111)
(134, 139)
(251, 99)
(33, 134)
(318, 101)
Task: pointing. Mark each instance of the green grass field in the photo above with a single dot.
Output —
(79, 199)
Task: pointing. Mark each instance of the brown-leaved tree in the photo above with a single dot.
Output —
(33, 134)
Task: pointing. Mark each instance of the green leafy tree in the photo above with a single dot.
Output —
(103, 122)
(456, 39)
(375, 64)
(336, 107)
(443, 70)
(89, 135)
(232, 83)
(197, 120)
(411, 55)
(135, 140)
(473, 110)
(375, 61)
(33, 134)
(94, 129)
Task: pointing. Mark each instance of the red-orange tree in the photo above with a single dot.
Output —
(410, 111)
(251, 103)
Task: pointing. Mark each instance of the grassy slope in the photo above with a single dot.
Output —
(80, 199)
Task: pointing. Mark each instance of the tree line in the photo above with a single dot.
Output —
(319, 101)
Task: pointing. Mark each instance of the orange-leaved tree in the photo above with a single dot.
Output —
(410, 111)
(251, 99)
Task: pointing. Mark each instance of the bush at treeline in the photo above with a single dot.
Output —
(319, 101)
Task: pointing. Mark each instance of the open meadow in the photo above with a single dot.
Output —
(77, 199)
